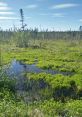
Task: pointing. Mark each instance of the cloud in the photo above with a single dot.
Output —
(6, 13)
(53, 15)
(9, 18)
(57, 15)
(80, 20)
(5, 8)
(62, 6)
(32, 6)
(28, 17)
(3, 4)
(44, 14)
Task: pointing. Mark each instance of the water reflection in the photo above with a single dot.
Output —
(28, 89)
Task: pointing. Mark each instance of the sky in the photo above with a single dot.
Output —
(43, 14)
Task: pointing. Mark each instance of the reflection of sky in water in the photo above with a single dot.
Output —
(16, 68)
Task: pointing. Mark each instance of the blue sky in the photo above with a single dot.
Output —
(51, 14)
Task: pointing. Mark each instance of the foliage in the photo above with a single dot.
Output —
(57, 95)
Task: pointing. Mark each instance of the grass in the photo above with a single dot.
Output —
(61, 95)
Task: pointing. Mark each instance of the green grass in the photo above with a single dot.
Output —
(62, 95)
(57, 55)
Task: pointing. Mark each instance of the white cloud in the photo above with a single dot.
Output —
(5, 8)
(44, 14)
(6, 13)
(53, 15)
(57, 15)
(9, 18)
(28, 17)
(3, 4)
(32, 6)
(62, 6)
(80, 20)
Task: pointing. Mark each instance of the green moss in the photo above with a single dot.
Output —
(61, 55)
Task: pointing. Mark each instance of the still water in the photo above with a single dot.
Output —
(26, 88)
